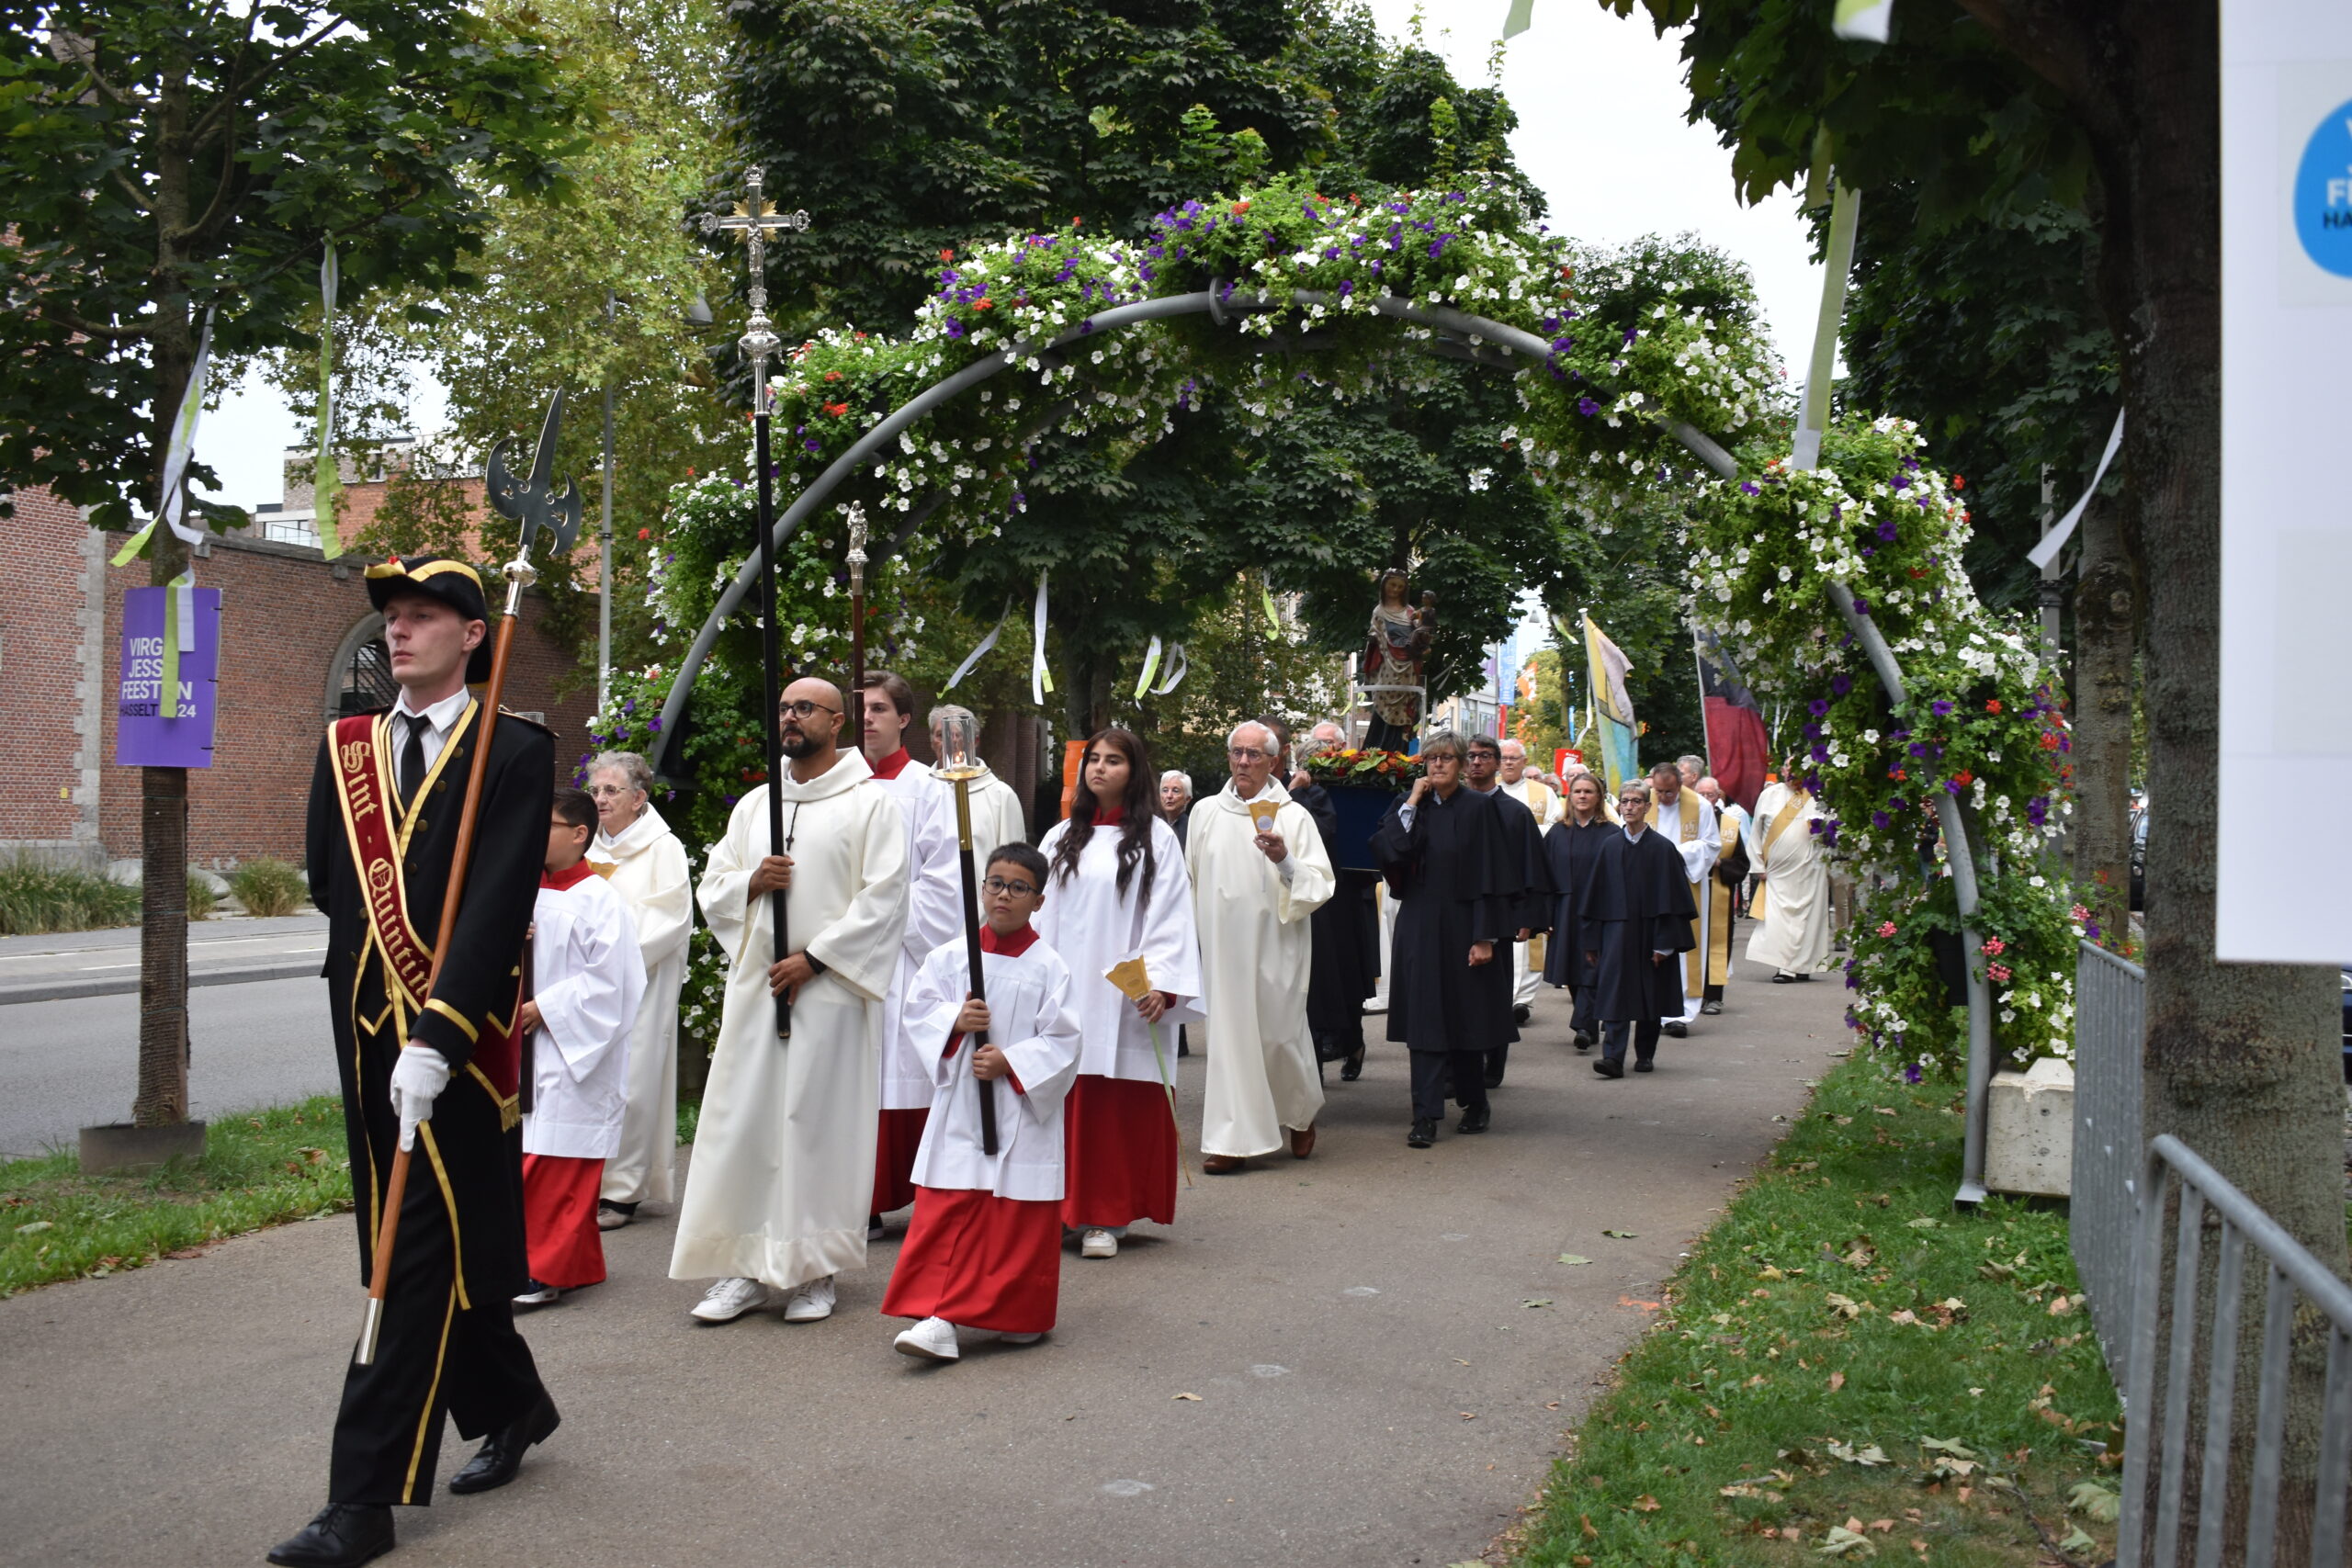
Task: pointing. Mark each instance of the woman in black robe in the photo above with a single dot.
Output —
(1573, 847)
(1443, 851)
(1636, 916)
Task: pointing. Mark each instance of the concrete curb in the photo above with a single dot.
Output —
(119, 984)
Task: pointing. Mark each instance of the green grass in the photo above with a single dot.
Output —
(1843, 1348)
(269, 887)
(36, 900)
(259, 1168)
(689, 1120)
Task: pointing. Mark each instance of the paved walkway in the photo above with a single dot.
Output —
(1372, 1388)
(229, 950)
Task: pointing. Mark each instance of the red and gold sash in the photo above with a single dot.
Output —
(361, 753)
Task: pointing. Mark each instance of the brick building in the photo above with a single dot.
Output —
(300, 645)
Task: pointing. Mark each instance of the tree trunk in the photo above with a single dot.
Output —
(2241, 1060)
(2107, 634)
(163, 817)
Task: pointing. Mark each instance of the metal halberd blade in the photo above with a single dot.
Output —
(536, 504)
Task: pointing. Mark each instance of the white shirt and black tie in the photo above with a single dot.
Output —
(420, 734)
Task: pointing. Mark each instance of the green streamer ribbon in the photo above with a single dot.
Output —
(1273, 619)
(172, 499)
(326, 473)
(1865, 20)
(179, 633)
(1150, 668)
(1521, 17)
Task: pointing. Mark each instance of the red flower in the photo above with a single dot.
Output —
(1960, 481)
(1963, 777)
(948, 255)
(1076, 222)
(832, 374)
(2049, 741)
(1918, 572)
(645, 533)
(1240, 207)
(837, 409)
(1993, 704)
(983, 304)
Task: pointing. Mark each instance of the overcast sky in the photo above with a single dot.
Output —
(1600, 104)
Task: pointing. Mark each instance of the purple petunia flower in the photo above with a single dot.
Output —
(1901, 481)
(1812, 730)
(1887, 530)
(1587, 406)
(1818, 707)
(1840, 685)
(1942, 707)
(1911, 1073)
(1750, 488)
(1880, 819)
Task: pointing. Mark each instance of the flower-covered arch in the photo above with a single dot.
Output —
(1627, 366)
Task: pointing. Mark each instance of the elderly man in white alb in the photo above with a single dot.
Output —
(776, 1197)
(1529, 789)
(1685, 819)
(650, 874)
(1258, 872)
(997, 817)
(1792, 883)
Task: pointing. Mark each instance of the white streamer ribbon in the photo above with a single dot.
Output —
(1184, 667)
(1041, 680)
(1865, 20)
(175, 456)
(2042, 554)
(1813, 417)
(986, 644)
(326, 473)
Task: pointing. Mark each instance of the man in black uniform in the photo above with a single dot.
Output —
(1636, 918)
(1345, 964)
(1444, 851)
(1529, 886)
(385, 805)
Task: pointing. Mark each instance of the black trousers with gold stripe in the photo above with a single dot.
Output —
(437, 1355)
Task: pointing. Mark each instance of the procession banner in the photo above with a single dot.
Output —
(1612, 708)
(144, 736)
(1739, 746)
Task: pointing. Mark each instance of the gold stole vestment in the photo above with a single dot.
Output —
(1792, 809)
(1686, 824)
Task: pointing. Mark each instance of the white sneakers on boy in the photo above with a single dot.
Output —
(813, 1303)
(1099, 1243)
(728, 1300)
(932, 1339)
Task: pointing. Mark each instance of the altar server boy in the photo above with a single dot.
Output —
(587, 979)
(984, 1248)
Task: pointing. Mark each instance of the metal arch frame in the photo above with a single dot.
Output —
(1215, 301)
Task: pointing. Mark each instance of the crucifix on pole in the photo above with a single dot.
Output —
(754, 217)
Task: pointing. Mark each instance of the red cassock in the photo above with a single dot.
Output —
(1119, 1141)
(979, 1261)
(560, 1219)
(895, 1142)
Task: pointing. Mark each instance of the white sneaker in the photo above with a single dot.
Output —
(932, 1339)
(1022, 1339)
(536, 1294)
(609, 1218)
(1099, 1244)
(813, 1303)
(730, 1299)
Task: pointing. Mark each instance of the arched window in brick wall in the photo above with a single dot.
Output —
(360, 679)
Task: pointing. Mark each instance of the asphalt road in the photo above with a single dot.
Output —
(68, 1065)
(228, 950)
(1373, 1387)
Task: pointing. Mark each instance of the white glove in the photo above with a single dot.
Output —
(418, 1078)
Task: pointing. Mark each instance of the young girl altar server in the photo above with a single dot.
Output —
(984, 1248)
(1117, 890)
(587, 978)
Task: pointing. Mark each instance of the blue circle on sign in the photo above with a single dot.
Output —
(2323, 194)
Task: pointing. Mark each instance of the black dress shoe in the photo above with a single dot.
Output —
(1475, 1120)
(1423, 1134)
(1644, 1066)
(500, 1457)
(1493, 1077)
(1680, 1030)
(344, 1535)
(1521, 1013)
(1584, 1041)
(1352, 1068)
(1609, 1070)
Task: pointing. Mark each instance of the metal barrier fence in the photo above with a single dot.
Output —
(2109, 1027)
(2296, 1285)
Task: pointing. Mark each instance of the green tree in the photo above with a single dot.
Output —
(164, 158)
(1992, 108)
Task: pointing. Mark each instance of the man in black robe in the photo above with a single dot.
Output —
(1636, 917)
(1573, 847)
(1530, 891)
(1345, 968)
(1445, 852)
(433, 1066)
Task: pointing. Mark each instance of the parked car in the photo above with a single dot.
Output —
(2140, 858)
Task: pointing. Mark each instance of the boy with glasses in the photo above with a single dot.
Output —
(984, 1248)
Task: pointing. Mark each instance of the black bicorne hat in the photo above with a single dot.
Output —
(453, 583)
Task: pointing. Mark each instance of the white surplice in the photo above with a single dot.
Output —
(1031, 1020)
(1093, 926)
(1691, 827)
(1256, 949)
(1792, 894)
(996, 817)
(934, 916)
(587, 978)
(1543, 805)
(783, 1160)
(650, 874)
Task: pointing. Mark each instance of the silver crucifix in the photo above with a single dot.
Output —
(753, 217)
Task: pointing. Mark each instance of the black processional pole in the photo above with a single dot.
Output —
(959, 764)
(752, 219)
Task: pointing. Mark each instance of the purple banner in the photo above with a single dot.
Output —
(144, 736)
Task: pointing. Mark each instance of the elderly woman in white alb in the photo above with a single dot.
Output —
(650, 875)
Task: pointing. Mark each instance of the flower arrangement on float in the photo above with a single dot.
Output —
(1364, 767)
(1980, 727)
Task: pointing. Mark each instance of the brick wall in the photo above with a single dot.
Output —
(44, 794)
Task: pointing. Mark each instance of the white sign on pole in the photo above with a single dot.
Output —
(2285, 681)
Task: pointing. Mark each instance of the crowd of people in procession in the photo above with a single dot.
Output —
(1141, 926)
